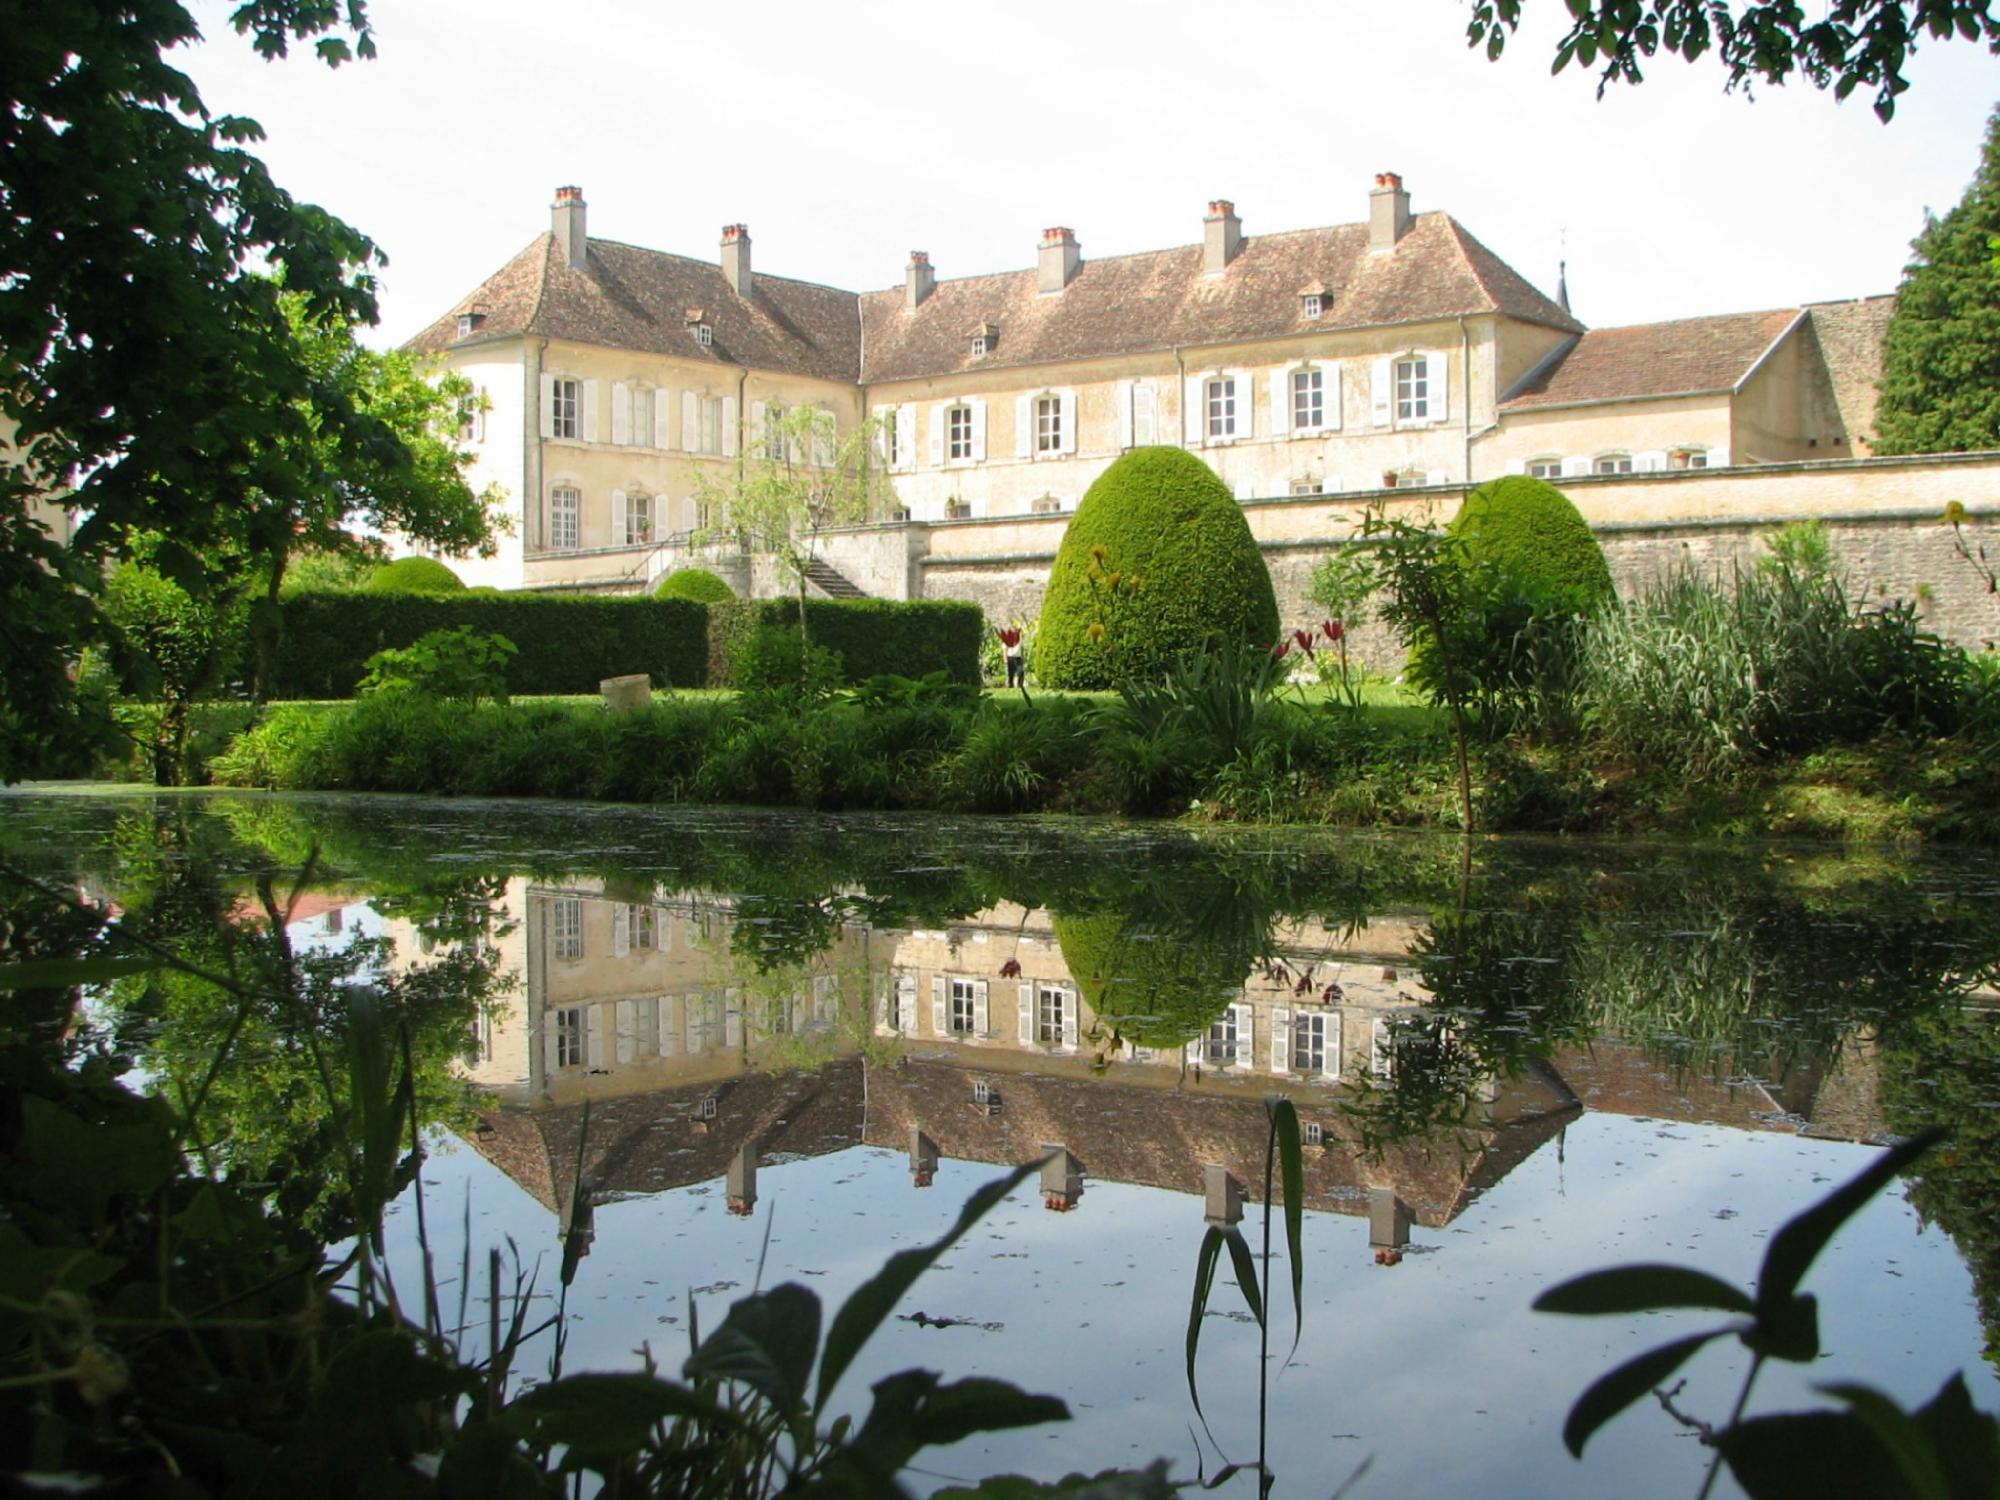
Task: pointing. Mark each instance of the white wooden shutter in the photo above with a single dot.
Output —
(621, 914)
(978, 441)
(1329, 389)
(760, 429)
(1191, 411)
(1518, 466)
(825, 431)
(906, 1004)
(548, 405)
(1718, 458)
(589, 431)
(690, 422)
(1438, 368)
(551, 1041)
(1192, 1052)
(1027, 1015)
(882, 416)
(938, 1026)
(479, 415)
(661, 931)
(1382, 392)
(663, 406)
(1281, 1036)
(1282, 420)
(1067, 398)
(979, 1012)
(1145, 414)
(1246, 404)
(1437, 476)
(940, 415)
(1127, 394)
(732, 1020)
(621, 413)
(1069, 1020)
(1246, 1036)
(593, 1036)
(732, 415)
(1381, 1050)
(625, 1038)
(1024, 427)
(1330, 1068)
(621, 520)
(1575, 466)
(1649, 463)
(670, 1026)
(906, 436)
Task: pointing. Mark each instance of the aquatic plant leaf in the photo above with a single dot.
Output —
(1150, 1483)
(604, 1416)
(1831, 1455)
(861, 1314)
(1291, 1170)
(1965, 1440)
(1204, 1282)
(483, 1461)
(964, 1407)
(1796, 1244)
(1612, 1393)
(1900, 1434)
(62, 973)
(1641, 1288)
(1245, 1266)
(767, 1342)
(1788, 1330)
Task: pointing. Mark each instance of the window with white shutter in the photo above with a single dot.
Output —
(621, 413)
(957, 433)
(563, 407)
(1145, 414)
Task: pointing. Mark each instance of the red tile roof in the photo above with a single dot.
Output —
(1686, 357)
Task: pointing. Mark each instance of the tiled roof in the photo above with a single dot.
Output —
(1160, 299)
(1850, 336)
(1691, 356)
(639, 299)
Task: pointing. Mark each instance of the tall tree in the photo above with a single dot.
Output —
(1941, 353)
(145, 369)
(1847, 45)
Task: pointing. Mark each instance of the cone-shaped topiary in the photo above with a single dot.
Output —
(697, 584)
(1528, 529)
(414, 575)
(1157, 560)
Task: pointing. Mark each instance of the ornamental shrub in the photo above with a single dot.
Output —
(697, 584)
(414, 575)
(1157, 561)
(1527, 529)
(1156, 988)
(870, 636)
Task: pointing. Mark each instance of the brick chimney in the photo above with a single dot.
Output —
(1388, 212)
(736, 258)
(919, 280)
(1059, 259)
(1222, 237)
(566, 220)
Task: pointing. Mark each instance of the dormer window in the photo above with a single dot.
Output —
(697, 324)
(1312, 304)
(984, 337)
(470, 319)
(978, 346)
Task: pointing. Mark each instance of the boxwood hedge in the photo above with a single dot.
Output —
(1529, 529)
(872, 636)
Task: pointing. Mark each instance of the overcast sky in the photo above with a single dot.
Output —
(847, 135)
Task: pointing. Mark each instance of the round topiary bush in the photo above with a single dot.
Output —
(414, 575)
(697, 584)
(1157, 560)
(1528, 529)
(1156, 988)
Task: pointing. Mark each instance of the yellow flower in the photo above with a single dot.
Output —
(1098, 552)
(1115, 579)
(1136, 582)
(1096, 630)
(1954, 514)
(1093, 575)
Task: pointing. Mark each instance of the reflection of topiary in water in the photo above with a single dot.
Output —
(1158, 989)
(414, 575)
(1161, 519)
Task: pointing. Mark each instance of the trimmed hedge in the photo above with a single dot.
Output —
(1162, 517)
(568, 644)
(697, 584)
(564, 644)
(413, 575)
(1529, 529)
(873, 636)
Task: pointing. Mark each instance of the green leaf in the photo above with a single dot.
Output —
(861, 1314)
(1612, 1393)
(1245, 1266)
(1795, 1245)
(767, 1343)
(1965, 1440)
(1291, 1168)
(62, 973)
(605, 1416)
(484, 1462)
(1901, 1434)
(1641, 1288)
(71, 1162)
(1204, 1282)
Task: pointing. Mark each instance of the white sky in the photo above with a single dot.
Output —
(845, 135)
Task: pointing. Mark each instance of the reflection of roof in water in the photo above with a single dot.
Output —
(1836, 1099)
(651, 1142)
(1156, 1138)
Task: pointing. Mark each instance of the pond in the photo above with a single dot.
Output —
(714, 1050)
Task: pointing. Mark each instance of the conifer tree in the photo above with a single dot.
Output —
(1941, 355)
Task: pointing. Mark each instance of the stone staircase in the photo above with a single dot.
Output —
(831, 582)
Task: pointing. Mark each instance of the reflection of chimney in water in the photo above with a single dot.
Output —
(741, 1182)
(1221, 1198)
(579, 1218)
(1062, 1180)
(923, 1158)
(1388, 1225)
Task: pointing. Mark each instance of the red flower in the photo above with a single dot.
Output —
(1010, 636)
(1280, 651)
(1305, 640)
(1305, 984)
(1330, 994)
(1011, 969)
(1334, 630)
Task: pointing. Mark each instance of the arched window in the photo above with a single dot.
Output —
(1545, 468)
(1612, 463)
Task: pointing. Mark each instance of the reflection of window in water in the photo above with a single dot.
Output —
(482, 1036)
(826, 997)
(644, 927)
(1382, 1051)
(1222, 1038)
(964, 1007)
(566, 927)
(1049, 1000)
(569, 1037)
(1309, 1043)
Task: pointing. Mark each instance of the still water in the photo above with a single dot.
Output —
(715, 1047)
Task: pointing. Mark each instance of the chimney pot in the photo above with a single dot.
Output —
(1057, 265)
(1221, 237)
(566, 221)
(736, 258)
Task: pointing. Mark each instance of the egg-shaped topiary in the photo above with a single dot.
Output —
(697, 584)
(1528, 529)
(1157, 560)
(1155, 988)
(414, 575)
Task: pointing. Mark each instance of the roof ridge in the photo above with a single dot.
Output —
(541, 277)
(1467, 242)
(695, 260)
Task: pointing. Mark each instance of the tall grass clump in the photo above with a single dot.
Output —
(1710, 675)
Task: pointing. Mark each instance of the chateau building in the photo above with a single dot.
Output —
(1390, 352)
